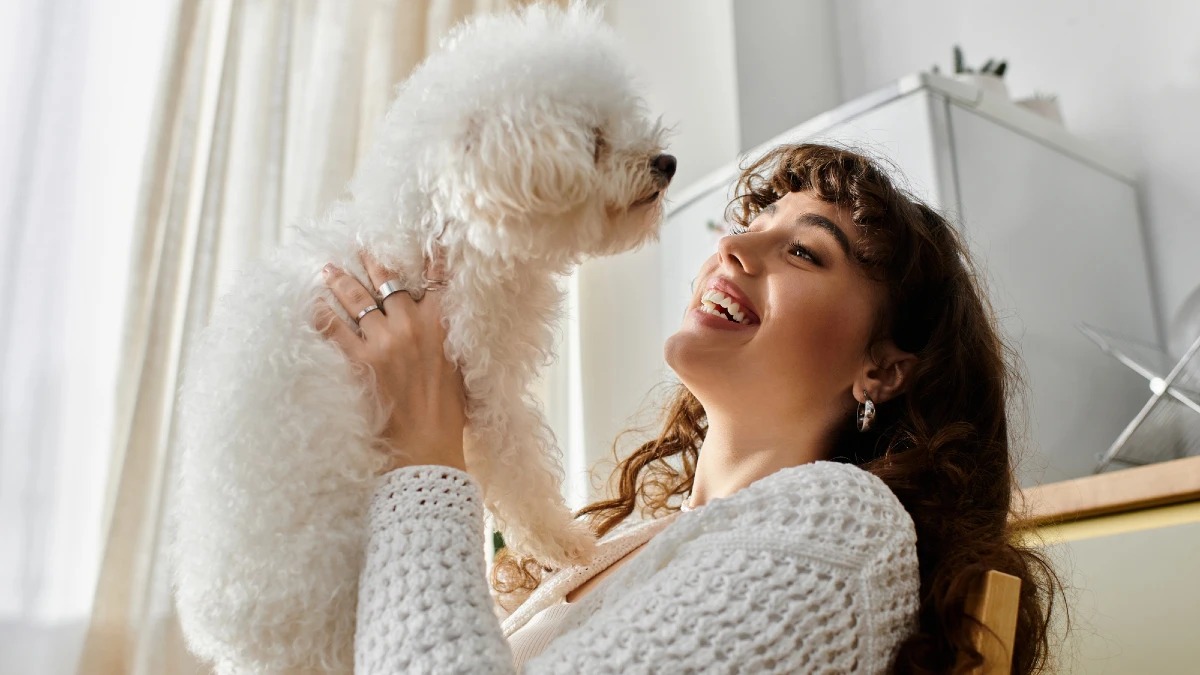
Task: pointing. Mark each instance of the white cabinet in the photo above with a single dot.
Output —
(1054, 223)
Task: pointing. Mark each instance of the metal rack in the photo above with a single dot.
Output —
(1168, 425)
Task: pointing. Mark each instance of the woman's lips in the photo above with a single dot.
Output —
(731, 290)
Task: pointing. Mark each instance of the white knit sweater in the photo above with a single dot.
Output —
(812, 569)
(535, 624)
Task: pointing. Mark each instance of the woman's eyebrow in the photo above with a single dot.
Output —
(817, 220)
(810, 219)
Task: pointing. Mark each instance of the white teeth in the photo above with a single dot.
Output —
(713, 297)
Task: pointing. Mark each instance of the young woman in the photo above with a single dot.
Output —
(839, 432)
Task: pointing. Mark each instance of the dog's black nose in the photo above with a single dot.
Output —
(665, 165)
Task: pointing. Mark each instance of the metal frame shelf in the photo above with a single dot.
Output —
(1168, 425)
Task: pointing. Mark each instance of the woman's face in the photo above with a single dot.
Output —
(814, 306)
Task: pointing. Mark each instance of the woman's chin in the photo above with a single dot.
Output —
(678, 350)
(691, 352)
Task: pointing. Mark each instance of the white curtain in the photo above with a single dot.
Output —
(150, 150)
(77, 79)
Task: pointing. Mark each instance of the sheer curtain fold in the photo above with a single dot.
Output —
(77, 96)
(264, 108)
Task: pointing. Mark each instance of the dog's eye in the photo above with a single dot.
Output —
(599, 144)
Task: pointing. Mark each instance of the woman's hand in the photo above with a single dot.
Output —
(402, 343)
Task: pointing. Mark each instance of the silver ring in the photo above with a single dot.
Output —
(365, 312)
(389, 287)
(431, 285)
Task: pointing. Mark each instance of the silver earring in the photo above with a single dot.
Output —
(866, 412)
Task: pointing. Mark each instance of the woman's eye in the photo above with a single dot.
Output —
(797, 249)
(804, 252)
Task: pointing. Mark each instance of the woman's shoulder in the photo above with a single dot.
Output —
(835, 506)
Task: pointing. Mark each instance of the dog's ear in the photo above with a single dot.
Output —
(526, 164)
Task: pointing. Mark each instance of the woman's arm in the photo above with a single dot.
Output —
(729, 601)
(423, 600)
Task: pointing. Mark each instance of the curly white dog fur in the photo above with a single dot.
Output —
(521, 149)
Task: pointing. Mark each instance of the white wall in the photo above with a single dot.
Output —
(787, 65)
(730, 74)
(1127, 75)
(684, 52)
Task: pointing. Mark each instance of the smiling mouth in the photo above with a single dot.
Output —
(720, 300)
(710, 307)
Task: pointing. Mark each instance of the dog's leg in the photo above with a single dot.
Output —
(512, 453)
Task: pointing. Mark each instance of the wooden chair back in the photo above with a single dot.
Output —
(994, 603)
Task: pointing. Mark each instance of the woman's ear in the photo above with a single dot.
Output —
(886, 372)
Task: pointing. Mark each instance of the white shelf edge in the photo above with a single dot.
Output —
(993, 106)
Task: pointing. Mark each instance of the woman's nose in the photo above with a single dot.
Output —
(732, 250)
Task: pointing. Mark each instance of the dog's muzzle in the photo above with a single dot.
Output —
(663, 168)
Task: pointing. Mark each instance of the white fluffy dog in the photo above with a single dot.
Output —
(520, 149)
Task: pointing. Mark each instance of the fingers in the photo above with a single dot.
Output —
(354, 297)
(431, 304)
(379, 276)
(435, 268)
(332, 327)
(399, 309)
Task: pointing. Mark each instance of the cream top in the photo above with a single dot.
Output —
(528, 635)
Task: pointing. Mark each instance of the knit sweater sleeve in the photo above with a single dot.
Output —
(729, 600)
(423, 600)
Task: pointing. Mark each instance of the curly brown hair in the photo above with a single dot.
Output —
(943, 447)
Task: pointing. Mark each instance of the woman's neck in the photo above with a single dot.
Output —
(734, 455)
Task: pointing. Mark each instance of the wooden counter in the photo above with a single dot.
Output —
(1143, 487)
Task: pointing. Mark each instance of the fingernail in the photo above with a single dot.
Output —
(328, 270)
